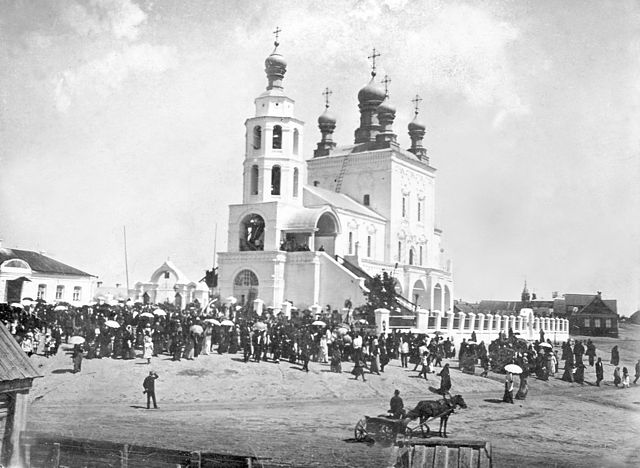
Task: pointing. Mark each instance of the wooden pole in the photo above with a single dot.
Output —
(124, 456)
(196, 460)
(126, 262)
(55, 458)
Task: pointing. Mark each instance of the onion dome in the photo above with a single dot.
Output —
(416, 124)
(275, 61)
(327, 118)
(275, 66)
(386, 108)
(371, 92)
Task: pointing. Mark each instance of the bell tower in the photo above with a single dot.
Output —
(274, 167)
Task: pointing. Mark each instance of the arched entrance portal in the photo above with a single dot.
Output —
(252, 233)
(419, 294)
(245, 287)
(437, 297)
(326, 232)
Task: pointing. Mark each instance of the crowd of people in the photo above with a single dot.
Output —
(126, 331)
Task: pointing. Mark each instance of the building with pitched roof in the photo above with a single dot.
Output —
(16, 377)
(25, 273)
(168, 284)
(312, 231)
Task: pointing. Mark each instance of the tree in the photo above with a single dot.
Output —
(381, 292)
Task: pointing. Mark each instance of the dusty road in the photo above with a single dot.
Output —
(277, 412)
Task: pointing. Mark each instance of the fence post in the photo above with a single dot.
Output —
(124, 457)
(196, 460)
(55, 457)
(249, 462)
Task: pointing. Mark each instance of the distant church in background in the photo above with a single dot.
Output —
(313, 231)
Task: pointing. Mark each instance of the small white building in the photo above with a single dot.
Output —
(169, 285)
(28, 274)
(312, 230)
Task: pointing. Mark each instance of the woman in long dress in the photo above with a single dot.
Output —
(148, 347)
(445, 383)
(375, 358)
(524, 386)
(508, 389)
(615, 356)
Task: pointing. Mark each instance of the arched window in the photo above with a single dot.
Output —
(254, 180)
(420, 257)
(246, 278)
(295, 182)
(245, 287)
(277, 137)
(296, 141)
(275, 180)
(411, 256)
(257, 137)
(400, 251)
(365, 200)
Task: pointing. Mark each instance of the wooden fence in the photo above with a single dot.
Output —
(51, 451)
(431, 453)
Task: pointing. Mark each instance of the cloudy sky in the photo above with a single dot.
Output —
(131, 112)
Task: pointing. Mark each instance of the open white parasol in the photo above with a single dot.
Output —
(513, 368)
(212, 321)
(112, 324)
(74, 340)
(227, 323)
(146, 314)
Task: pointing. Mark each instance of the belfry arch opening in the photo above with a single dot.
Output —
(255, 179)
(276, 174)
(252, 233)
(277, 137)
(257, 137)
(327, 228)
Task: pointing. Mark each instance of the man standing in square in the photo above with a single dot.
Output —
(149, 385)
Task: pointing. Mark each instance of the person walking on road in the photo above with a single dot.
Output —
(508, 389)
(625, 378)
(637, 372)
(149, 385)
(599, 371)
(445, 383)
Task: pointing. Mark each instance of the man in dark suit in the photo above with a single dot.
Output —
(397, 405)
(599, 372)
(149, 385)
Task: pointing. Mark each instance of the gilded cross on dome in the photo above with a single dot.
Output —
(373, 56)
(326, 93)
(386, 82)
(276, 34)
(416, 102)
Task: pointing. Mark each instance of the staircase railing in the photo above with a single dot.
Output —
(401, 301)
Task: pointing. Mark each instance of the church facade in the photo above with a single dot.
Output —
(312, 230)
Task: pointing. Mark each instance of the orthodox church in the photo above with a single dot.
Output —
(311, 230)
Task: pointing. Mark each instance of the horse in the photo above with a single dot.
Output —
(431, 408)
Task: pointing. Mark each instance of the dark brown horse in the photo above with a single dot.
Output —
(432, 408)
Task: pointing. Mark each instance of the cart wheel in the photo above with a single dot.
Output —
(360, 431)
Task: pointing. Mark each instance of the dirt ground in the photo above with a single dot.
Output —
(286, 416)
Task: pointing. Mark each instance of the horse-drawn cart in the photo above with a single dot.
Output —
(384, 428)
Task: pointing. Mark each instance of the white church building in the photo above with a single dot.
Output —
(312, 228)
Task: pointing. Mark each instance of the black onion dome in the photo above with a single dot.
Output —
(275, 60)
(327, 118)
(415, 124)
(371, 92)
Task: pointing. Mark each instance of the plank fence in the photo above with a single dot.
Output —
(430, 453)
(52, 451)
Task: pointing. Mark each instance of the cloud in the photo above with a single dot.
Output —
(99, 78)
(454, 49)
(120, 18)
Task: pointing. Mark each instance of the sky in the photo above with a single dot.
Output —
(131, 113)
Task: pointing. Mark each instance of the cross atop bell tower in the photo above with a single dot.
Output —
(374, 54)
